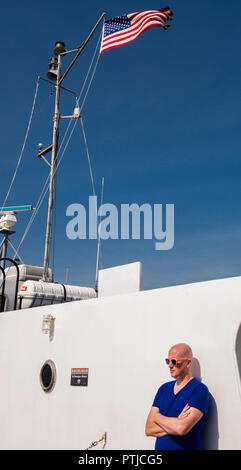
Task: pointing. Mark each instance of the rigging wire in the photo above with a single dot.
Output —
(45, 188)
(88, 156)
(82, 105)
(99, 253)
(33, 121)
(93, 73)
(24, 143)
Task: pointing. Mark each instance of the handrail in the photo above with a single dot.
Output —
(17, 280)
(3, 290)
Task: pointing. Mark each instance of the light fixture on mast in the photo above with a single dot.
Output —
(59, 48)
(53, 69)
(53, 63)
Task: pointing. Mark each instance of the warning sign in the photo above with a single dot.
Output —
(79, 377)
(23, 288)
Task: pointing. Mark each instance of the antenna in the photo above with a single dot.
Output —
(99, 235)
(67, 276)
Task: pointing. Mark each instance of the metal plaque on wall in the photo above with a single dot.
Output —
(79, 377)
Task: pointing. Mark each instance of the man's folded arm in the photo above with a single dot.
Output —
(181, 425)
(153, 429)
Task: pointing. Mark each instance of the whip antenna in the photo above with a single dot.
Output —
(99, 236)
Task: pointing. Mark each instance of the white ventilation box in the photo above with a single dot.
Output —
(123, 279)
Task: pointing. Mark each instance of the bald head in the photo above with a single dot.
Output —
(181, 350)
(181, 369)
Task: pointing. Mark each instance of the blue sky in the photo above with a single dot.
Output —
(162, 120)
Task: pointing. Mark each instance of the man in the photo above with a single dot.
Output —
(179, 412)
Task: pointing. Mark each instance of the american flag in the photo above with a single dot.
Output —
(123, 29)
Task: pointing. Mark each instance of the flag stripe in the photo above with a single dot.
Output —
(119, 40)
(136, 16)
(132, 31)
(133, 27)
(139, 22)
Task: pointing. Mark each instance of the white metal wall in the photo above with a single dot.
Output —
(123, 340)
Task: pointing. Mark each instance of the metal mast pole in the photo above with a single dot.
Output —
(60, 51)
(52, 173)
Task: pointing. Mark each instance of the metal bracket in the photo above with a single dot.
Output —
(43, 152)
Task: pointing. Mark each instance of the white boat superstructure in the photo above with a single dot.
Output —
(78, 363)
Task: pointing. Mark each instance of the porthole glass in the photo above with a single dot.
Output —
(48, 376)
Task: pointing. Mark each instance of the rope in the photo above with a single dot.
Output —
(24, 143)
(95, 443)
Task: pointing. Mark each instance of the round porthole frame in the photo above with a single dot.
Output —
(48, 385)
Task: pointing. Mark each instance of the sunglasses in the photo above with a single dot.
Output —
(174, 362)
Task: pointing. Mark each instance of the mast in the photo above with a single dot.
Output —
(52, 172)
(55, 74)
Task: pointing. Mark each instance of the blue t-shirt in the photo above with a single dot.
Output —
(196, 394)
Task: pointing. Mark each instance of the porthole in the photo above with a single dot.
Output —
(238, 350)
(48, 376)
